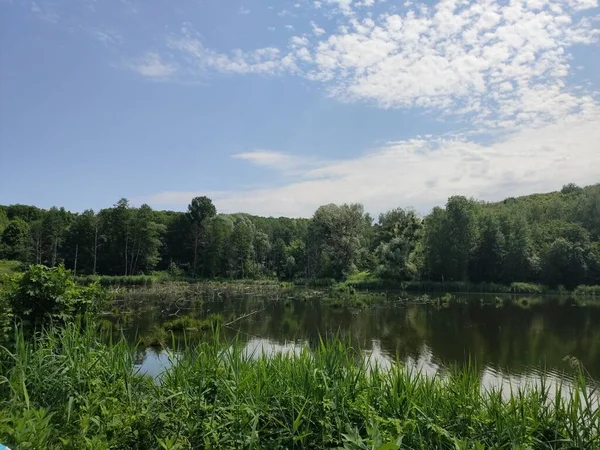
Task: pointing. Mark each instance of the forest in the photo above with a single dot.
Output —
(551, 238)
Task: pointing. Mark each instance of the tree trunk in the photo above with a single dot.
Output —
(126, 250)
(76, 254)
(54, 251)
(95, 248)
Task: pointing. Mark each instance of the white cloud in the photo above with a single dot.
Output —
(317, 31)
(423, 172)
(289, 27)
(580, 5)
(343, 6)
(299, 41)
(268, 60)
(243, 10)
(152, 66)
(493, 64)
(279, 161)
(317, 5)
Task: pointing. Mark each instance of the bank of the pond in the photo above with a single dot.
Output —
(361, 281)
(68, 390)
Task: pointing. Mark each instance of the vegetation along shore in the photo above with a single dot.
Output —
(206, 286)
(550, 239)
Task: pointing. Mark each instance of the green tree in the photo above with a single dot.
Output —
(241, 249)
(200, 211)
(262, 252)
(36, 241)
(14, 241)
(518, 260)
(279, 257)
(117, 227)
(435, 247)
(564, 263)
(3, 219)
(461, 231)
(219, 228)
(145, 240)
(396, 236)
(488, 257)
(54, 224)
(337, 235)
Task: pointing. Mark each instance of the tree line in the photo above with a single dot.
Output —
(550, 238)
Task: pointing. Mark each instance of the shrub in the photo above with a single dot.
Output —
(50, 293)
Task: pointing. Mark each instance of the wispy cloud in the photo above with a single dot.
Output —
(243, 10)
(284, 163)
(268, 60)
(44, 12)
(105, 36)
(422, 172)
(152, 66)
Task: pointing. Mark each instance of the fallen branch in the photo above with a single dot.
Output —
(244, 316)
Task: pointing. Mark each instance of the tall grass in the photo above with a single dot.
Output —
(67, 390)
(106, 280)
(448, 286)
(587, 290)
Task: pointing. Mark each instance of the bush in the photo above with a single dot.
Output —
(43, 293)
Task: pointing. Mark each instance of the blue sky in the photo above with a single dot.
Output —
(276, 107)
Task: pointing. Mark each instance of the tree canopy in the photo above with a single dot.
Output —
(552, 238)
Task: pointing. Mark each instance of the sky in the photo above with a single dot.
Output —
(276, 107)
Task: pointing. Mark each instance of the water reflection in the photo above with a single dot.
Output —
(509, 339)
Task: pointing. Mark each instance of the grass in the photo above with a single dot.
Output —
(113, 280)
(67, 390)
(366, 280)
(593, 291)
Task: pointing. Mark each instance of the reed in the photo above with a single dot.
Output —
(68, 389)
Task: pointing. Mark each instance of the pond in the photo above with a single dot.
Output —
(511, 339)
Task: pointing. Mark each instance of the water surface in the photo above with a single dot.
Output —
(512, 339)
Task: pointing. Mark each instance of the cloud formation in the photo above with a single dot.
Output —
(422, 172)
(152, 66)
(498, 65)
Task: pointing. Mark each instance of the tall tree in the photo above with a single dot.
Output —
(36, 241)
(241, 249)
(337, 235)
(461, 230)
(54, 226)
(117, 227)
(396, 235)
(488, 257)
(519, 259)
(435, 246)
(145, 240)
(200, 211)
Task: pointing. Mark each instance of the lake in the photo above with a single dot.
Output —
(512, 339)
